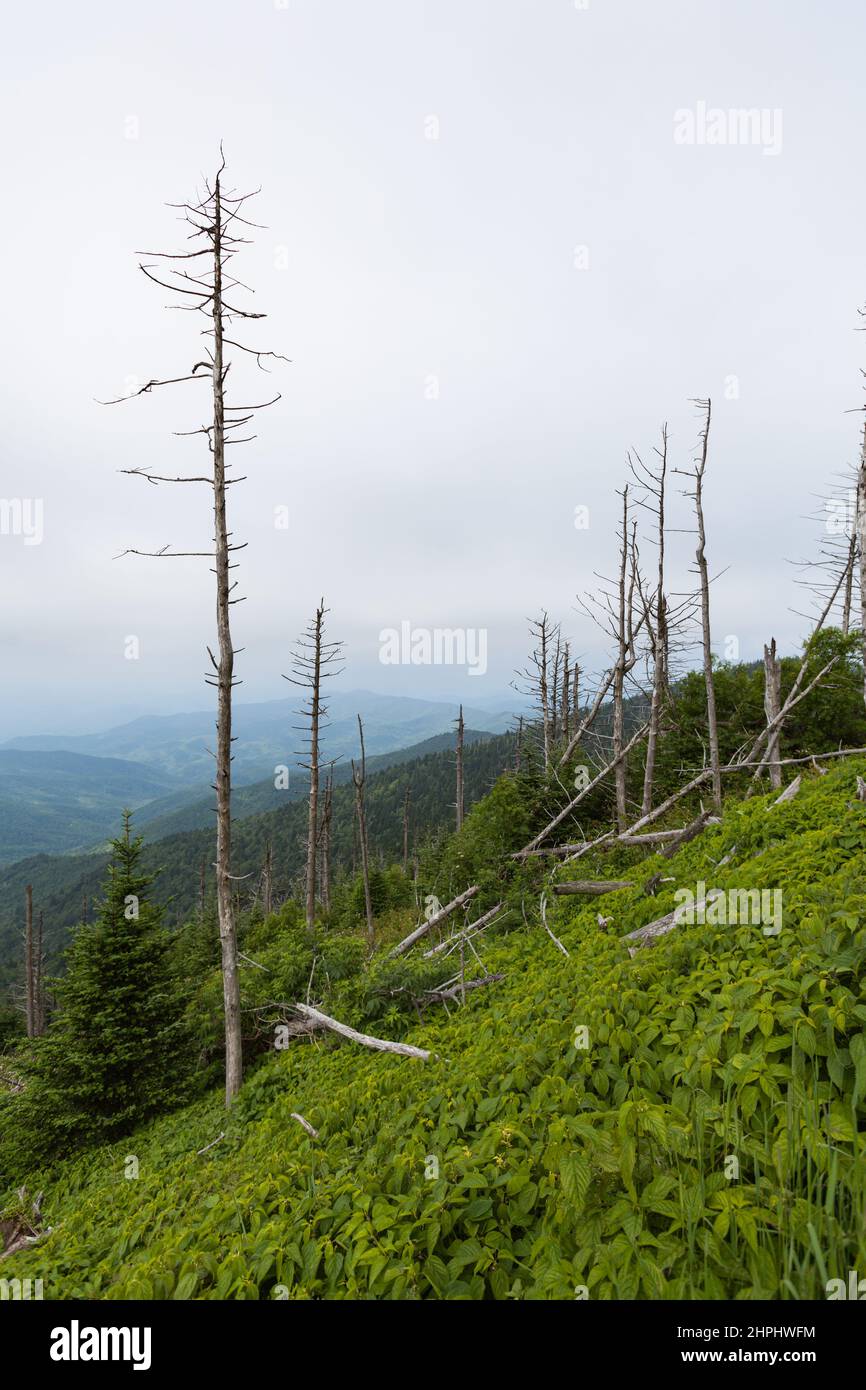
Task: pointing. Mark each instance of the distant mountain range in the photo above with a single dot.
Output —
(63, 793)
(62, 883)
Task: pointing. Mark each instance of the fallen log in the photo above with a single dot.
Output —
(471, 931)
(378, 1044)
(408, 942)
(645, 936)
(789, 793)
(593, 888)
(567, 810)
(691, 832)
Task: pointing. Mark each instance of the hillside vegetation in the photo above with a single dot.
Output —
(684, 1123)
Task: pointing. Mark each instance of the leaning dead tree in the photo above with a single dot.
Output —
(359, 779)
(314, 660)
(204, 283)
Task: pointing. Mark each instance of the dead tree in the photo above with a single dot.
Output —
(861, 545)
(625, 659)
(40, 1015)
(314, 660)
(539, 680)
(772, 706)
(29, 964)
(359, 778)
(216, 219)
(654, 480)
(325, 841)
(697, 496)
(459, 793)
(406, 800)
(267, 881)
(565, 698)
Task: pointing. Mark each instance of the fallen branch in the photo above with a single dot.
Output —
(645, 936)
(468, 934)
(555, 939)
(220, 1136)
(789, 793)
(438, 996)
(378, 1044)
(691, 832)
(433, 921)
(575, 802)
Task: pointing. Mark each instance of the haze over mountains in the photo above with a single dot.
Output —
(60, 793)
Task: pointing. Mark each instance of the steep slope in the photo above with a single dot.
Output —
(686, 1123)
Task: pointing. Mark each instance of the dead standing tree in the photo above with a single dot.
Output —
(654, 481)
(217, 219)
(540, 680)
(359, 778)
(29, 964)
(325, 841)
(697, 496)
(312, 661)
(459, 790)
(406, 802)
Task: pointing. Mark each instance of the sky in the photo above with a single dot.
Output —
(504, 241)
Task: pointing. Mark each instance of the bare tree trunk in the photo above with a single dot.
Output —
(566, 695)
(459, 800)
(543, 691)
(701, 557)
(214, 217)
(554, 691)
(659, 633)
(39, 970)
(772, 706)
(312, 658)
(225, 682)
(313, 810)
(406, 800)
(326, 840)
(359, 777)
(861, 545)
(29, 964)
(267, 881)
(619, 677)
(849, 580)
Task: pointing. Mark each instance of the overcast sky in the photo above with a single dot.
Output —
(495, 263)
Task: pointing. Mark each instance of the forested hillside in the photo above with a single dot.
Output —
(61, 885)
(678, 1123)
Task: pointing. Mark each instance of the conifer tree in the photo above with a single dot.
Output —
(116, 1053)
